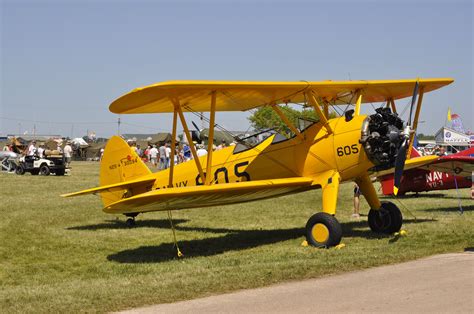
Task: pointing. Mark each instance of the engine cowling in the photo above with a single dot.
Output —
(382, 137)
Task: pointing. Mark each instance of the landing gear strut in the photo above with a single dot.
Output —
(323, 230)
(388, 219)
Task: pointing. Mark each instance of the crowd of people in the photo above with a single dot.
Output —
(434, 150)
(33, 151)
(160, 155)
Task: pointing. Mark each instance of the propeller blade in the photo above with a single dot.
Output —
(413, 101)
(399, 165)
(195, 126)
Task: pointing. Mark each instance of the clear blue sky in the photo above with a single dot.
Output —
(63, 62)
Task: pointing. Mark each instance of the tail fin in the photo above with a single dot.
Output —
(119, 163)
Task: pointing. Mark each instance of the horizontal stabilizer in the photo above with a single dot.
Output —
(111, 187)
(208, 195)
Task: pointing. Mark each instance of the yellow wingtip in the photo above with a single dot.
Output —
(395, 190)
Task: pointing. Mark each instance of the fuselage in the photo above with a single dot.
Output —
(277, 157)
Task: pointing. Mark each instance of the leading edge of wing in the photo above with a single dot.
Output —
(245, 95)
(116, 186)
(206, 195)
(410, 164)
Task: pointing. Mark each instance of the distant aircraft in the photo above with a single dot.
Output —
(328, 152)
(447, 172)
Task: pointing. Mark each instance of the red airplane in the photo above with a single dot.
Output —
(447, 172)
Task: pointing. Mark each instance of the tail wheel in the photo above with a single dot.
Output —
(388, 219)
(323, 230)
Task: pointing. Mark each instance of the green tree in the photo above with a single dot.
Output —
(266, 118)
(422, 136)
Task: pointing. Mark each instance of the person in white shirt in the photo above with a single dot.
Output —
(201, 151)
(154, 155)
(68, 153)
(32, 149)
(41, 151)
(168, 155)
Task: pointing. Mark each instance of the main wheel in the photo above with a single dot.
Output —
(44, 170)
(20, 170)
(388, 219)
(323, 230)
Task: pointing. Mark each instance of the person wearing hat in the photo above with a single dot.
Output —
(68, 153)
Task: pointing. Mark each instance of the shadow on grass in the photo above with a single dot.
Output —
(450, 209)
(352, 229)
(120, 224)
(426, 195)
(234, 241)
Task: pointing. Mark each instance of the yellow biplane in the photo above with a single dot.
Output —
(350, 147)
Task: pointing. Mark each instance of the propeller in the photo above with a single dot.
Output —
(402, 151)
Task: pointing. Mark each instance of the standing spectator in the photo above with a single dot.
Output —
(101, 153)
(357, 193)
(68, 153)
(41, 151)
(154, 155)
(163, 161)
(186, 152)
(139, 151)
(201, 150)
(222, 145)
(168, 154)
(147, 153)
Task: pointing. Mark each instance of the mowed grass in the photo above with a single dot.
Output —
(61, 255)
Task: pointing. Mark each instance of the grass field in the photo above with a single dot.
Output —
(61, 255)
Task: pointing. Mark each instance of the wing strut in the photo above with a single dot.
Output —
(173, 147)
(210, 139)
(287, 122)
(358, 102)
(415, 121)
(392, 105)
(189, 138)
(317, 107)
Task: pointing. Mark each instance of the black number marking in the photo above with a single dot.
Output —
(243, 174)
(347, 150)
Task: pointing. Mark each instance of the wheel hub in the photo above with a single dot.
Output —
(320, 233)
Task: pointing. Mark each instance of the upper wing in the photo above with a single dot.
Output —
(208, 195)
(240, 96)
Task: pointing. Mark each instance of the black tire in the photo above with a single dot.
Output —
(395, 215)
(387, 219)
(130, 222)
(20, 170)
(323, 230)
(44, 170)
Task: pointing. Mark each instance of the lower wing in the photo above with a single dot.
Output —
(209, 195)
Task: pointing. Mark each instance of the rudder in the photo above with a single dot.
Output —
(119, 163)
